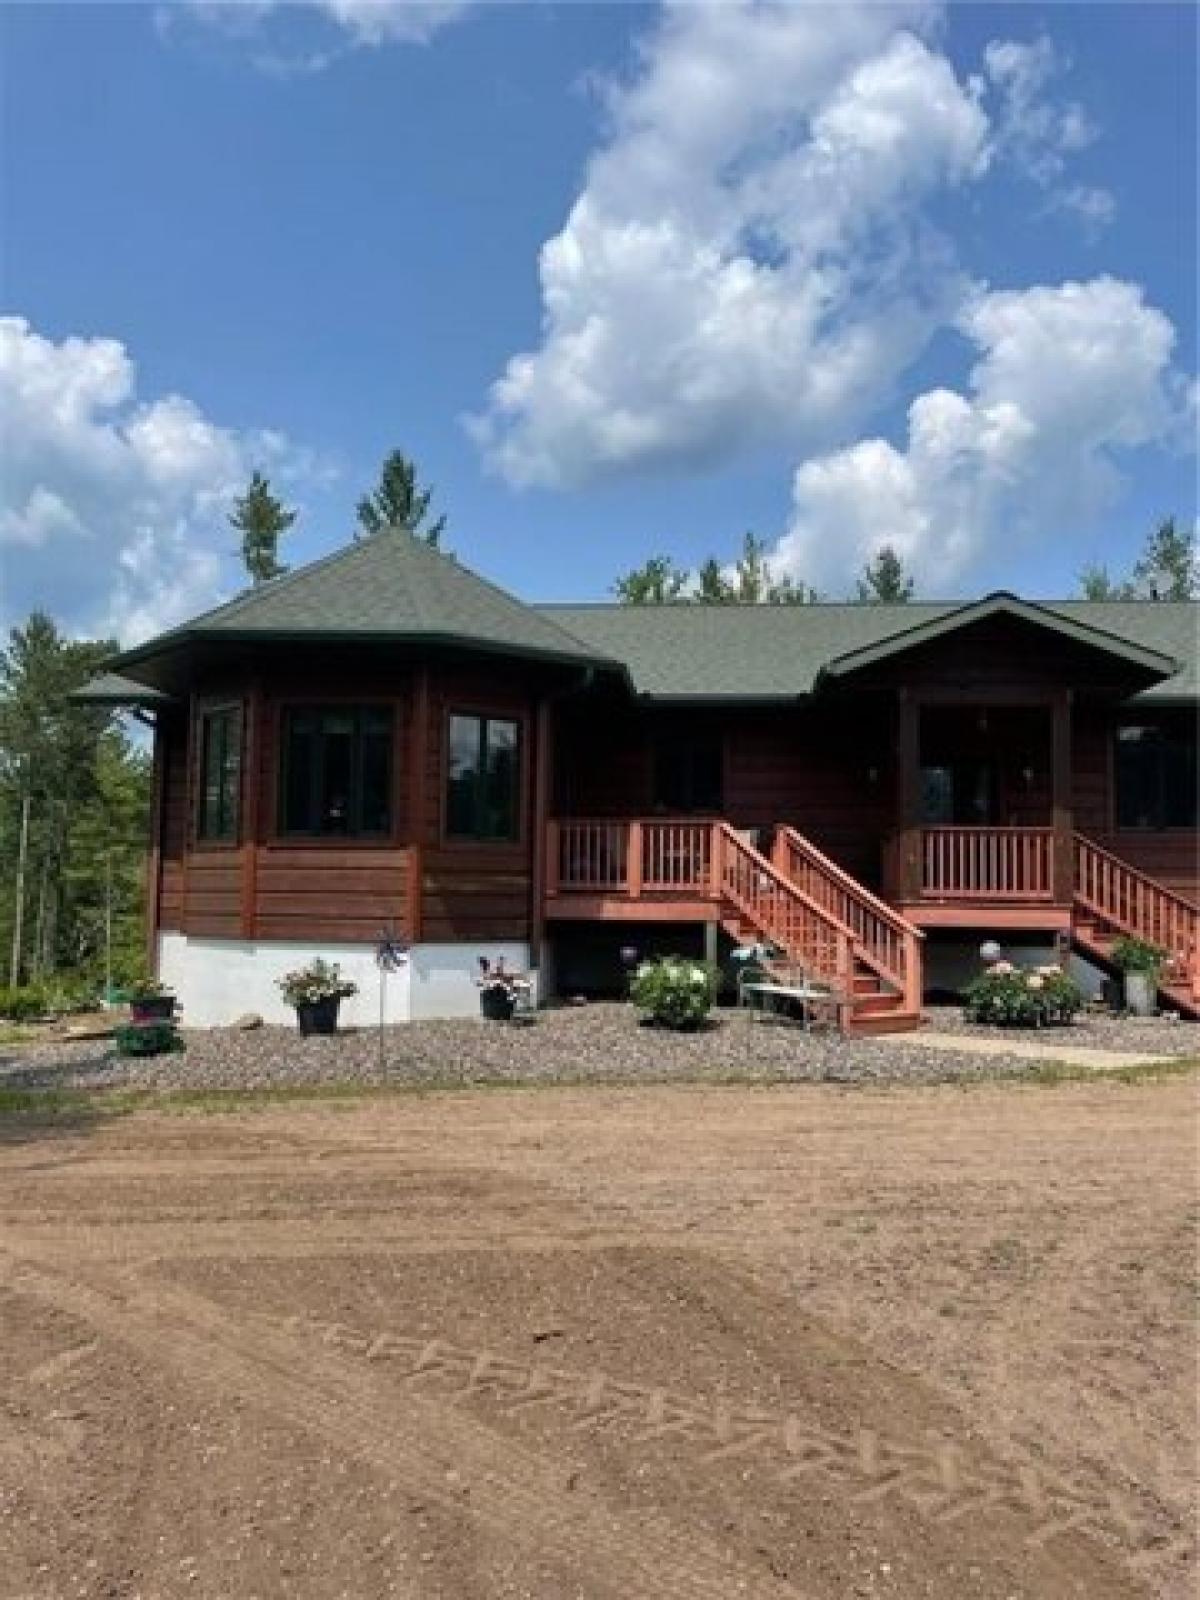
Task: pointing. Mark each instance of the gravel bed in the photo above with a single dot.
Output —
(600, 1043)
(1096, 1030)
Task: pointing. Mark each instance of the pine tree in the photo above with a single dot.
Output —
(399, 502)
(261, 519)
(1168, 568)
(658, 583)
(884, 581)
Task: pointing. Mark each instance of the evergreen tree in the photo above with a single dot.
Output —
(261, 519)
(1097, 583)
(399, 502)
(658, 583)
(713, 588)
(1168, 568)
(58, 760)
(884, 581)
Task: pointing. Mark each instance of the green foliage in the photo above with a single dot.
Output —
(88, 794)
(674, 992)
(658, 583)
(261, 519)
(1167, 569)
(1138, 955)
(399, 502)
(319, 980)
(23, 1004)
(750, 581)
(884, 581)
(147, 1039)
(1016, 997)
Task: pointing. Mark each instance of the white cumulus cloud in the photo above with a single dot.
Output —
(112, 509)
(1067, 378)
(749, 259)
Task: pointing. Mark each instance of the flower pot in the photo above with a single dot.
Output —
(497, 1005)
(318, 1016)
(153, 1008)
(1139, 993)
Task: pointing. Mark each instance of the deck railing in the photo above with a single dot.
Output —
(1136, 905)
(987, 863)
(632, 857)
(885, 940)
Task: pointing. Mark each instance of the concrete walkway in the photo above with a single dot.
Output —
(1046, 1048)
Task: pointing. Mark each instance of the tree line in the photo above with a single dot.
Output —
(1167, 569)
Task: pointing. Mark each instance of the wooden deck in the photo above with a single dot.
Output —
(994, 879)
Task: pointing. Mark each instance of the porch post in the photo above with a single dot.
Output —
(541, 872)
(905, 870)
(417, 800)
(1062, 815)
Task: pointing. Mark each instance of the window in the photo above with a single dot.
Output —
(220, 742)
(337, 771)
(483, 778)
(1156, 776)
(688, 776)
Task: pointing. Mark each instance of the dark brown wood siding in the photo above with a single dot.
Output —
(473, 890)
(267, 886)
(172, 736)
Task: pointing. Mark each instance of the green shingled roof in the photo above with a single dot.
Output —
(111, 689)
(389, 586)
(779, 652)
(393, 587)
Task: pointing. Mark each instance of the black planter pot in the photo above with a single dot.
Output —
(153, 1008)
(497, 1005)
(318, 1016)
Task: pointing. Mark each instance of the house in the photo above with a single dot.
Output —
(382, 740)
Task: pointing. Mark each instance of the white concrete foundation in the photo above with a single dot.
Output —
(218, 980)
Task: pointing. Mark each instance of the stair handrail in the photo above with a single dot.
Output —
(732, 842)
(1178, 906)
(905, 972)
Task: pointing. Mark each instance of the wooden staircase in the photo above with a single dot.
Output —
(1113, 900)
(826, 921)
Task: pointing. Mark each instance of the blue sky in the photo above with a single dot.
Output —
(776, 232)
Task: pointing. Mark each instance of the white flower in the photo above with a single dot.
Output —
(1035, 981)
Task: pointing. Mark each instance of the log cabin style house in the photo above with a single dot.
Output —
(384, 741)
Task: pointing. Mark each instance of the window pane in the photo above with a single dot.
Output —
(376, 768)
(462, 777)
(299, 765)
(337, 772)
(1139, 767)
(1179, 783)
(502, 780)
(220, 773)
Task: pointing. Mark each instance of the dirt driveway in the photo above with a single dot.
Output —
(605, 1344)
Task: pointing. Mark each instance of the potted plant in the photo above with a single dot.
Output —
(150, 1001)
(316, 991)
(499, 989)
(1142, 963)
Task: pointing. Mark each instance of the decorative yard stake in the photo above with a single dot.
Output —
(391, 953)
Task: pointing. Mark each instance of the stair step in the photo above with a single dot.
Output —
(862, 1026)
(875, 1004)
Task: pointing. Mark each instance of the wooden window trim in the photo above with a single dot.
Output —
(203, 708)
(464, 707)
(277, 838)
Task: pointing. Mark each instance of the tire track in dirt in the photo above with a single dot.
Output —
(942, 1479)
(518, 1494)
